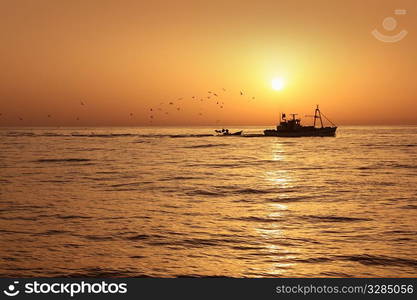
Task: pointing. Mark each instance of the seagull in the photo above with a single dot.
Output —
(78, 118)
(131, 114)
(215, 94)
(151, 117)
(178, 108)
(82, 103)
(151, 109)
(49, 116)
(241, 93)
(171, 103)
(209, 92)
(20, 118)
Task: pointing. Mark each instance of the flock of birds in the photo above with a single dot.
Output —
(174, 105)
(211, 96)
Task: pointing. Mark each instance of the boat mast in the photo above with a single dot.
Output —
(317, 115)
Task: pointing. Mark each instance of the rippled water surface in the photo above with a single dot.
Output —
(175, 202)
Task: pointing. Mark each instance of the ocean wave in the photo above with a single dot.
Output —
(366, 168)
(52, 232)
(93, 149)
(188, 135)
(200, 276)
(256, 191)
(141, 142)
(335, 218)
(98, 238)
(233, 191)
(198, 192)
(387, 165)
(130, 186)
(384, 146)
(18, 218)
(19, 133)
(255, 219)
(200, 242)
(335, 274)
(313, 260)
(137, 183)
(205, 146)
(290, 199)
(410, 206)
(402, 166)
(235, 165)
(139, 237)
(103, 135)
(72, 245)
(54, 181)
(65, 217)
(367, 259)
(14, 232)
(99, 273)
(54, 160)
(183, 178)
(137, 256)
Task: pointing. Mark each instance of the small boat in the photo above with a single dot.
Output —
(235, 133)
(225, 132)
(293, 127)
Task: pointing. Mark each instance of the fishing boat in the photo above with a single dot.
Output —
(225, 132)
(293, 128)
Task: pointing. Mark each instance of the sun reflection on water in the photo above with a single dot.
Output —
(277, 253)
(280, 178)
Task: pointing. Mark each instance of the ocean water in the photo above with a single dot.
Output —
(168, 202)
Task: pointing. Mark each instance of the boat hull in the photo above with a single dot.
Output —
(302, 132)
(231, 134)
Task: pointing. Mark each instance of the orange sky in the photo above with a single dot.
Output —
(122, 57)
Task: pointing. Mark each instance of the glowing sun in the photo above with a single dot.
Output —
(277, 83)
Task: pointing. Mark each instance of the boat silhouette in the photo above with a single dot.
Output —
(225, 132)
(293, 127)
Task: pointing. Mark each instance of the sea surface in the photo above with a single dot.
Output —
(173, 202)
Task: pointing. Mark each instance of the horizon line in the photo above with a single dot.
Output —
(183, 125)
